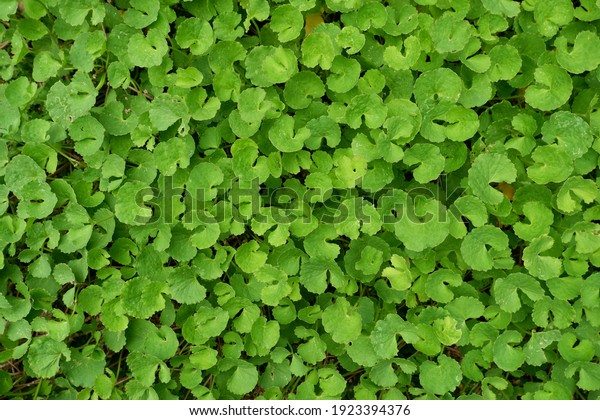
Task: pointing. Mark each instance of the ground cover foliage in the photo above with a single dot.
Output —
(299, 199)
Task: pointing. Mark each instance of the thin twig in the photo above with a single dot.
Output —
(120, 381)
(143, 93)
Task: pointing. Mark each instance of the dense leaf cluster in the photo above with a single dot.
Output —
(299, 199)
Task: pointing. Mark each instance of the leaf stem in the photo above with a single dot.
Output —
(119, 365)
(37, 389)
(255, 25)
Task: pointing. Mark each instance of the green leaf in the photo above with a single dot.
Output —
(581, 56)
(44, 356)
(147, 50)
(476, 254)
(8, 8)
(21, 171)
(430, 160)
(89, 299)
(472, 208)
(383, 374)
(202, 180)
(249, 258)
(86, 49)
(441, 85)
(266, 66)
(552, 89)
(423, 224)
(441, 377)
(285, 138)
(574, 191)
(534, 349)
(552, 164)
(589, 375)
(342, 321)
(507, 8)
(487, 168)
(542, 267)
(403, 56)
(506, 288)
(506, 356)
(399, 274)
(37, 201)
(436, 285)
(35, 131)
(142, 297)
(88, 134)
(265, 335)
(143, 367)
(76, 12)
(145, 337)
(174, 153)
(318, 49)
(450, 33)
(20, 91)
(550, 18)
(66, 103)
(583, 351)
(287, 22)
(184, 286)
(85, 367)
(344, 74)
(547, 311)
(243, 379)
(45, 66)
(505, 63)
(571, 132)
(540, 217)
(361, 351)
(204, 324)
(317, 273)
(331, 382)
(141, 13)
(129, 206)
(196, 35)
